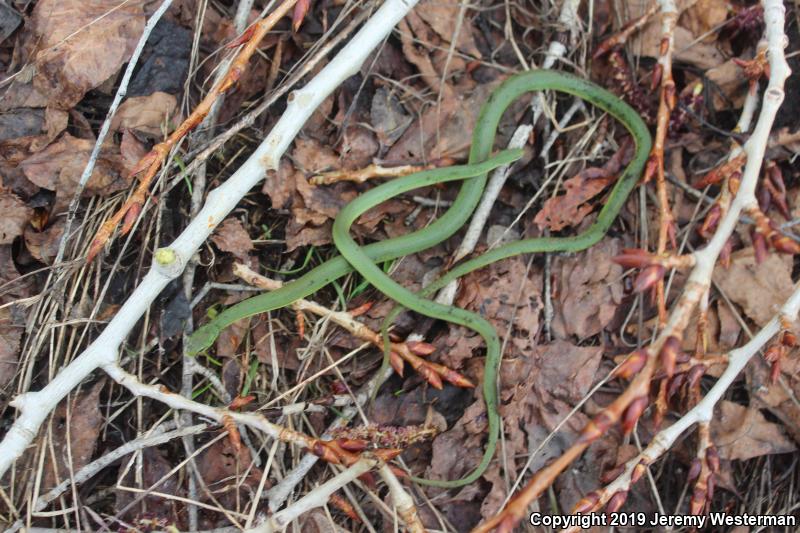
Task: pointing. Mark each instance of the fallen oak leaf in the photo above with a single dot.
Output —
(68, 33)
(15, 216)
(231, 237)
(570, 208)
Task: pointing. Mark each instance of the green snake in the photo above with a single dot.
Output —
(473, 175)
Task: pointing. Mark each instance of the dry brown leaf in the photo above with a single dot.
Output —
(537, 394)
(704, 16)
(567, 371)
(220, 465)
(589, 290)
(148, 114)
(387, 116)
(317, 521)
(730, 80)
(231, 237)
(312, 157)
(687, 49)
(779, 400)
(59, 167)
(75, 432)
(280, 184)
(467, 437)
(155, 467)
(446, 132)
(759, 289)
(358, 147)
(81, 44)
(231, 338)
(504, 295)
(15, 216)
(570, 208)
(12, 317)
(729, 327)
(442, 17)
(741, 433)
(132, 150)
(43, 245)
(11, 328)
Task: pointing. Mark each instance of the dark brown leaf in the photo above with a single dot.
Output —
(15, 216)
(741, 433)
(75, 432)
(81, 44)
(231, 237)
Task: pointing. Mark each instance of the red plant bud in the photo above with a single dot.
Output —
(712, 458)
(130, 218)
(785, 245)
(368, 478)
(616, 501)
(672, 233)
(775, 372)
(145, 162)
(725, 254)
(773, 353)
(397, 363)
(669, 354)
(431, 376)
(638, 471)
(457, 379)
(711, 221)
(710, 178)
(764, 198)
(694, 374)
(632, 364)
(338, 387)
(648, 277)
(788, 339)
(675, 385)
(320, 449)
(587, 503)
(633, 412)
(694, 470)
(352, 445)
(669, 94)
(698, 501)
(710, 484)
(759, 245)
(361, 309)
(243, 38)
(387, 454)
(633, 258)
(610, 475)
(300, 11)
(240, 401)
(734, 181)
(421, 348)
(658, 71)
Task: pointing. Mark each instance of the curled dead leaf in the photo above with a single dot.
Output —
(231, 237)
(81, 44)
(16, 215)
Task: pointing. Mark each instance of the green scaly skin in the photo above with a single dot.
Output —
(365, 259)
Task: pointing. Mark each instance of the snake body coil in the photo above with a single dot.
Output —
(364, 260)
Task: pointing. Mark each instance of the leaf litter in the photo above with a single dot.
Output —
(386, 115)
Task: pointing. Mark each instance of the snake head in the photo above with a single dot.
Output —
(201, 340)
